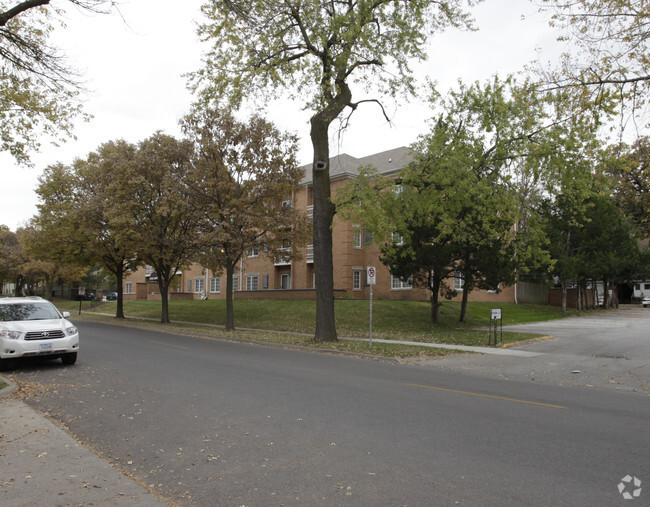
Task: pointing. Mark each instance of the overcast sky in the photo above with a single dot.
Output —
(134, 69)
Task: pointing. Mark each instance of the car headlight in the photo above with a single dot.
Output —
(71, 331)
(12, 335)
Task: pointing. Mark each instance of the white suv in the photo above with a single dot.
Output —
(32, 326)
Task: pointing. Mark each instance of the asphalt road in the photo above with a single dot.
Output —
(216, 423)
(610, 350)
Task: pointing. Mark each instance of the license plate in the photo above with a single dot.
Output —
(46, 346)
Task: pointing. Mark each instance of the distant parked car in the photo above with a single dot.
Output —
(32, 326)
(87, 296)
(645, 301)
(112, 296)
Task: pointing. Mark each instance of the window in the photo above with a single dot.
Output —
(357, 236)
(646, 286)
(215, 284)
(253, 251)
(252, 282)
(285, 281)
(367, 237)
(235, 283)
(397, 283)
(459, 281)
(265, 282)
(396, 238)
(128, 288)
(356, 279)
(199, 285)
(189, 286)
(287, 204)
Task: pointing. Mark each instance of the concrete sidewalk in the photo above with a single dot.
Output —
(42, 465)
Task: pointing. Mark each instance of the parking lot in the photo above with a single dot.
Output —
(609, 350)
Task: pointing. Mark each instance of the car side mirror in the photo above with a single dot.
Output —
(66, 315)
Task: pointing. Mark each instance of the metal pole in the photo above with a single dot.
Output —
(371, 315)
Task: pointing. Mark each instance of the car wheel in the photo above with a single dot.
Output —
(5, 364)
(69, 359)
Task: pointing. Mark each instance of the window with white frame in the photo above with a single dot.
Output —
(253, 251)
(199, 285)
(215, 284)
(357, 236)
(128, 288)
(235, 283)
(459, 281)
(287, 203)
(356, 279)
(252, 282)
(397, 283)
(285, 281)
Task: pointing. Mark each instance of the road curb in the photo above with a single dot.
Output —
(9, 389)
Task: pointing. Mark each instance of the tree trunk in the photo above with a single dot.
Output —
(119, 279)
(434, 287)
(19, 286)
(463, 304)
(564, 294)
(230, 313)
(323, 217)
(164, 299)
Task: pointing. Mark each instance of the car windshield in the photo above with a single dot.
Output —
(28, 311)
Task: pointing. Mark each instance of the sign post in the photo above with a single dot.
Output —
(496, 317)
(82, 293)
(371, 275)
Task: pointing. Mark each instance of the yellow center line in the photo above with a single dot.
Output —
(489, 396)
(169, 345)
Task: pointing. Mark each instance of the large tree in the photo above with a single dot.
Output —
(152, 209)
(38, 88)
(319, 53)
(75, 214)
(109, 242)
(243, 178)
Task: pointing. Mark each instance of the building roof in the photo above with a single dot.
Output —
(347, 166)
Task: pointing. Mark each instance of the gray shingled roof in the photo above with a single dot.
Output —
(346, 166)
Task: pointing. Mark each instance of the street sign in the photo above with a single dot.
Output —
(495, 313)
(372, 275)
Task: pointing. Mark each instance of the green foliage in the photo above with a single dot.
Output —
(629, 166)
(309, 50)
(607, 61)
(455, 207)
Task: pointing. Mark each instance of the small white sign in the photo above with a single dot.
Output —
(372, 275)
(495, 313)
(82, 291)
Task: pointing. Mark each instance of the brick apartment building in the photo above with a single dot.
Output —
(259, 277)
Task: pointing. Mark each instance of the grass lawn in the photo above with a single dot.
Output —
(278, 321)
